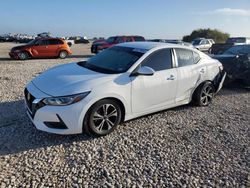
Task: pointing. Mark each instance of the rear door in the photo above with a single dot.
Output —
(150, 93)
(191, 72)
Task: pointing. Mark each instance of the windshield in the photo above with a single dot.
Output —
(196, 42)
(113, 60)
(240, 49)
(111, 40)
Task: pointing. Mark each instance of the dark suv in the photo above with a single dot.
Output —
(111, 41)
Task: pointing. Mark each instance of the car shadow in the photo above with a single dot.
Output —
(5, 59)
(18, 134)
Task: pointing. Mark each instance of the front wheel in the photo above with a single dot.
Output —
(204, 94)
(23, 55)
(102, 118)
(63, 54)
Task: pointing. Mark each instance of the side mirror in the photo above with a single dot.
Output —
(144, 71)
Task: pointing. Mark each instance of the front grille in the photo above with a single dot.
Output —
(29, 99)
(32, 104)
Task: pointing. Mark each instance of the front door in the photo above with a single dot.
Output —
(150, 93)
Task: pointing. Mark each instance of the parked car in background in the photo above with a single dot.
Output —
(175, 41)
(41, 47)
(111, 41)
(203, 44)
(219, 48)
(121, 83)
(180, 42)
(236, 62)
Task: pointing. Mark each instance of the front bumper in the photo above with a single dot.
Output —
(13, 55)
(53, 119)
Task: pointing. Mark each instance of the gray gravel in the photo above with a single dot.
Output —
(182, 147)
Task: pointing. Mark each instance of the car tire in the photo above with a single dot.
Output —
(23, 55)
(102, 118)
(204, 94)
(63, 54)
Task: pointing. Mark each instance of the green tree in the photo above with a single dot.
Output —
(215, 34)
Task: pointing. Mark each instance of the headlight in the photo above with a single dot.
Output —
(65, 100)
(16, 51)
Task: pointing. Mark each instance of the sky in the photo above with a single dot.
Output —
(102, 18)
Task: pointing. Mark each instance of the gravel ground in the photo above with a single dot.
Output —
(182, 147)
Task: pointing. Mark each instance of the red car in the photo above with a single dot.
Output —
(111, 41)
(42, 47)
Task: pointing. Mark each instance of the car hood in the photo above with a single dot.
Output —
(69, 79)
(19, 47)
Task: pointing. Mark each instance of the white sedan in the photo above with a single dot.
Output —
(121, 83)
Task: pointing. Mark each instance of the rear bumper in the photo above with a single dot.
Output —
(219, 81)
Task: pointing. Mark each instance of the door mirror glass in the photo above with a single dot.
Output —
(144, 70)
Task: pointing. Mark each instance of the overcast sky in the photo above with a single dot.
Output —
(150, 18)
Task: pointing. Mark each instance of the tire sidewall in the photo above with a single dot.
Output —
(63, 52)
(89, 124)
(23, 55)
(198, 94)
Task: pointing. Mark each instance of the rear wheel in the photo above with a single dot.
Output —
(102, 118)
(23, 55)
(63, 54)
(204, 94)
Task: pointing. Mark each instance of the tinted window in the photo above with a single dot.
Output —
(240, 49)
(120, 40)
(113, 60)
(129, 39)
(196, 42)
(42, 42)
(55, 42)
(159, 60)
(185, 57)
(236, 40)
(111, 39)
(139, 39)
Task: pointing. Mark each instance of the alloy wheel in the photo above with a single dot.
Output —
(105, 118)
(207, 95)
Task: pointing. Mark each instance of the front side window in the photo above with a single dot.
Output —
(42, 42)
(159, 60)
(111, 40)
(113, 60)
(186, 57)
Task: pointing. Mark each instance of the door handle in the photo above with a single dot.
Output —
(172, 77)
(202, 71)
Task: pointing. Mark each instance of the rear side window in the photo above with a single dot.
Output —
(139, 38)
(186, 57)
(159, 60)
(55, 42)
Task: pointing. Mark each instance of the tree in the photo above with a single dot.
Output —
(215, 34)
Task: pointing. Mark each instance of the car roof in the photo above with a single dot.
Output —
(149, 45)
